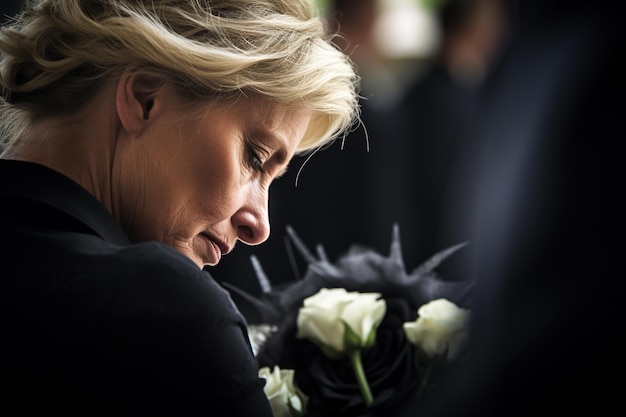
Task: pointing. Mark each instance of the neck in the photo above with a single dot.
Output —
(80, 146)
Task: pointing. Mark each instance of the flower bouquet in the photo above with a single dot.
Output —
(359, 337)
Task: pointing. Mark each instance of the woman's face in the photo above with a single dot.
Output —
(199, 183)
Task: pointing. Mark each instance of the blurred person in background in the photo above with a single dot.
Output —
(538, 195)
(437, 113)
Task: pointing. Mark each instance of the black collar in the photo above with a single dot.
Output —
(38, 183)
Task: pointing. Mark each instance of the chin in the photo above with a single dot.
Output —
(209, 264)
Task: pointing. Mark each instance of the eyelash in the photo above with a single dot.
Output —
(254, 160)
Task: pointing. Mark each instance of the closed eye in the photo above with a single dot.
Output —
(253, 158)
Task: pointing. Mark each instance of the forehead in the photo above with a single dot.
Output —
(260, 110)
(267, 111)
(281, 119)
(256, 117)
(287, 124)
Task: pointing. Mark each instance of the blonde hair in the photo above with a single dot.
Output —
(57, 53)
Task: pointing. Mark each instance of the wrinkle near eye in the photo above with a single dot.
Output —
(278, 162)
(254, 155)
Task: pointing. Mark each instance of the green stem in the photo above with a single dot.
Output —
(427, 372)
(357, 365)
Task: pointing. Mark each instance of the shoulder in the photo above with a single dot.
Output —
(151, 279)
(172, 321)
(143, 305)
(139, 326)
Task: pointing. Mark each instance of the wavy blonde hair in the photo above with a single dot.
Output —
(57, 53)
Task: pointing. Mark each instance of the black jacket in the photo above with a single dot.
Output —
(91, 324)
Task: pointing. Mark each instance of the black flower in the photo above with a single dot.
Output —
(393, 367)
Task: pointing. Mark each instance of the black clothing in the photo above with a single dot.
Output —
(91, 324)
(437, 115)
(540, 198)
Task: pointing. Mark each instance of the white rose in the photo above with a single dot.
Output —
(441, 327)
(285, 398)
(340, 321)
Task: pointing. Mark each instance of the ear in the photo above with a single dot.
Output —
(137, 98)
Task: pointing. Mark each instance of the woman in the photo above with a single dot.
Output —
(140, 139)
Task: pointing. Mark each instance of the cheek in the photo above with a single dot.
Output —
(207, 182)
(215, 187)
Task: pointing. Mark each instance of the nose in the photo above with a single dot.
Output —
(252, 219)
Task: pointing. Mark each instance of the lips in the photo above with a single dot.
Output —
(223, 247)
(220, 248)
